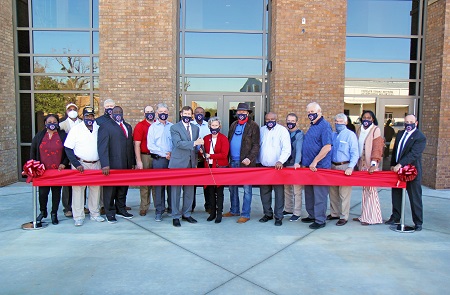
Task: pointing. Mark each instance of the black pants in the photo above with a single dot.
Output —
(43, 197)
(214, 195)
(414, 189)
(114, 196)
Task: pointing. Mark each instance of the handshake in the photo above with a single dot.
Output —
(199, 141)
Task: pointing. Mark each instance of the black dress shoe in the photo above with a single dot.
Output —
(316, 225)
(392, 221)
(329, 217)
(266, 218)
(278, 222)
(176, 222)
(218, 218)
(189, 219)
(308, 220)
(418, 227)
(42, 215)
(211, 217)
(54, 219)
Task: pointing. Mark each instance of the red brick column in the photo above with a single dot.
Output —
(435, 119)
(308, 59)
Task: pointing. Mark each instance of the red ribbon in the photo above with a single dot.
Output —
(33, 169)
(407, 173)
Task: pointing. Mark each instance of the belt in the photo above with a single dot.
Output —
(145, 154)
(90, 162)
(340, 163)
(155, 156)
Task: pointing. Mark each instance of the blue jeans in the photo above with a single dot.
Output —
(234, 196)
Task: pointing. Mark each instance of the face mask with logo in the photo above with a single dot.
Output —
(409, 127)
(52, 126)
(271, 124)
(214, 131)
(108, 111)
(118, 117)
(291, 125)
(339, 127)
(242, 118)
(186, 119)
(150, 116)
(366, 123)
(163, 116)
(199, 117)
(72, 114)
(312, 116)
(89, 122)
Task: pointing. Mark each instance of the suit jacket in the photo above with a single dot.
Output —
(412, 150)
(250, 141)
(184, 153)
(221, 149)
(114, 149)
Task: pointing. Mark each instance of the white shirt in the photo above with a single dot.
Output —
(204, 129)
(83, 142)
(402, 141)
(211, 149)
(362, 138)
(190, 129)
(275, 145)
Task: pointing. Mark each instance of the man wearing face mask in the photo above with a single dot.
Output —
(316, 154)
(409, 146)
(108, 105)
(199, 121)
(244, 150)
(71, 121)
(115, 150)
(143, 158)
(185, 142)
(274, 152)
(344, 156)
(159, 142)
(81, 149)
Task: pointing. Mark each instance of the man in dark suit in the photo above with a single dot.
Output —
(185, 143)
(409, 146)
(115, 149)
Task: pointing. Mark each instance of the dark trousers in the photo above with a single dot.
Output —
(266, 200)
(67, 198)
(114, 196)
(214, 195)
(43, 197)
(160, 196)
(208, 205)
(414, 189)
(316, 200)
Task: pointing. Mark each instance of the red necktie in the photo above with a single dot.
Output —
(123, 129)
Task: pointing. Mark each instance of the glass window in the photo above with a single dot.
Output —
(381, 17)
(25, 83)
(62, 64)
(224, 84)
(23, 41)
(223, 66)
(95, 81)
(95, 14)
(56, 42)
(379, 70)
(379, 48)
(24, 64)
(379, 88)
(60, 13)
(22, 13)
(95, 42)
(61, 83)
(26, 118)
(55, 103)
(95, 67)
(223, 44)
(224, 15)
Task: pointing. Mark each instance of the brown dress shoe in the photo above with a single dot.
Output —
(243, 220)
(229, 214)
(356, 219)
(102, 211)
(341, 222)
(365, 223)
(68, 214)
(143, 212)
(128, 208)
(86, 210)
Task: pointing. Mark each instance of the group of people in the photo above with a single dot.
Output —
(109, 142)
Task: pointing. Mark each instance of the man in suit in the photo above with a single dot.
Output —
(185, 143)
(409, 146)
(115, 150)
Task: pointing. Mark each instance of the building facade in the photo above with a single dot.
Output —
(278, 55)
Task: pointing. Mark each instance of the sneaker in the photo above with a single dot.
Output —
(111, 219)
(158, 218)
(79, 222)
(294, 218)
(68, 214)
(286, 213)
(97, 218)
(125, 215)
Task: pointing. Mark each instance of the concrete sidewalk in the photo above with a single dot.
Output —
(141, 256)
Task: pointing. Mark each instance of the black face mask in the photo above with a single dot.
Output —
(150, 116)
(52, 126)
(108, 111)
(186, 119)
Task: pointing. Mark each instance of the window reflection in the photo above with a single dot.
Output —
(60, 42)
(223, 44)
(223, 66)
(95, 42)
(60, 13)
(61, 83)
(378, 70)
(378, 48)
(25, 114)
(58, 64)
(224, 15)
(224, 84)
(209, 106)
(95, 14)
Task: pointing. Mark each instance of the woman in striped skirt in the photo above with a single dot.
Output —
(371, 145)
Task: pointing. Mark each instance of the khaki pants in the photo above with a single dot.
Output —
(93, 195)
(147, 163)
(340, 197)
(293, 199)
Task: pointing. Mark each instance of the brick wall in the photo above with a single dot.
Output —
(308, 65)
(436, 105)
(8, 136)
(138, 54)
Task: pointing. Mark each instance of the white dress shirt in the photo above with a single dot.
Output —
(275, 145)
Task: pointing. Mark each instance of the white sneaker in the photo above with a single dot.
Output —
(79, 222)
(97, 218)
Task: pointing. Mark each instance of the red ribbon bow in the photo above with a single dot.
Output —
(33, 169)
(407, 173)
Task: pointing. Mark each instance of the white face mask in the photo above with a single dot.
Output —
(72, 114)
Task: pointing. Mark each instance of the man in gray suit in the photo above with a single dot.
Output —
(185, 143)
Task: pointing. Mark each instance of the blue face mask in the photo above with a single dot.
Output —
(366, 123)
(199, 117)
(214, 131)
(186, 119)
(312, 116)
(409, 127)
(339, 127)
(118, 117)
(108, 111)
(150, 116)
(52, 126)
(291, 125)
(163, 116)
(89, 122)
(271, 124)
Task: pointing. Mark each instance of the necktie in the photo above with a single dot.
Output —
(400, 146)
(123, 129)
(188, 132)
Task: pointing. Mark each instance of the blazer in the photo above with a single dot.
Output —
(221, 149)
(412, 150)
(184, 153)
(36, 142)
(114, 149)
(250, 141)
